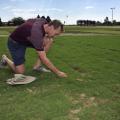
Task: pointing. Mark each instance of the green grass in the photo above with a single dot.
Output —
(91, 91)
(6, 30)
(114, 30)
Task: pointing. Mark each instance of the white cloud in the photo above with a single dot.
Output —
(23, 10)
(16, 0)
(25, 13)
(7, 7)
(54, 9)
(89, 7)
(12, 0)
(30, 13)
(19, 10)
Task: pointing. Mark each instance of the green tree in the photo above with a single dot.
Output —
(17, 21)
(106, 21)
(0, 22)
(38, 16)
(114, 22)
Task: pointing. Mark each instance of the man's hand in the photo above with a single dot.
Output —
(62, 74)
(49, 64)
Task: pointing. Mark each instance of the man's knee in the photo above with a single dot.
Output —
(19, 69)
(19, 72)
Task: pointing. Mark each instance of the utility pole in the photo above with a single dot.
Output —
(112, 12)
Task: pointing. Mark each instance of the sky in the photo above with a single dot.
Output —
(65, 10)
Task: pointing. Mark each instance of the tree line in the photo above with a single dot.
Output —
(19, 20)
(106, 22)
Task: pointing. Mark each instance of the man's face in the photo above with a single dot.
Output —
(53, 32)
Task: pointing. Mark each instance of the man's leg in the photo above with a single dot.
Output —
(48, 43)
(18, 78)
(16, 69)
(17, 51)
(20, 69)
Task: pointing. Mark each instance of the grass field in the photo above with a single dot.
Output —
(109, 30)
(91, 91)
(114, 30)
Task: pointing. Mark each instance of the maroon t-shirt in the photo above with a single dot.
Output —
(30, 33)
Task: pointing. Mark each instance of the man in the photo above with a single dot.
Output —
(33, 33)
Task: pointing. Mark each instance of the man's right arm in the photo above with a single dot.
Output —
(49, 64)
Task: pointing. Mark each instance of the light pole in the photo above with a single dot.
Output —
(112, 12)
(66, 19)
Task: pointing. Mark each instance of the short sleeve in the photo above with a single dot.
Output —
(37, 36)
